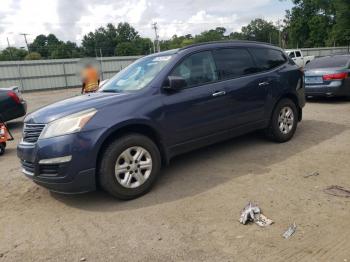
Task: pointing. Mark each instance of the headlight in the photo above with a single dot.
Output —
(68, 124)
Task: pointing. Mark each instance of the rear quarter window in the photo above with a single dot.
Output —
(233, 62)
(268, 58)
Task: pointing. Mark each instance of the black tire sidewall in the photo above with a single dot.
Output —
(107, 178)
(274, 128)
(2, 148)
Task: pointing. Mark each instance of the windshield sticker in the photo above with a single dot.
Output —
(161, 58)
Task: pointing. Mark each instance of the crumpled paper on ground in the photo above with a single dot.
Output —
(252, 213)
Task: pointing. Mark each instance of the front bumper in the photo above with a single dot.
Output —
(75, 176)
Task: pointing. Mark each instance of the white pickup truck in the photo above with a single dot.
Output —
(297, 56)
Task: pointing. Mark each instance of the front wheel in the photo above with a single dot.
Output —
(283, 122)
(129, 166)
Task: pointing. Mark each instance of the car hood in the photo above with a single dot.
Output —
(73, 105)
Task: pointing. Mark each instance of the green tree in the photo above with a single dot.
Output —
(313, 23)
(13, 53)
(260, 30)
(51, 47)
(211, 35)
(32, 56)
(340, 33)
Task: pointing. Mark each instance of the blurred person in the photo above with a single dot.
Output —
(90, 79)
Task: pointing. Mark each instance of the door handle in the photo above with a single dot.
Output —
(219, 93)
(262, 84)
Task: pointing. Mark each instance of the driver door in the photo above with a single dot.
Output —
(201, 108)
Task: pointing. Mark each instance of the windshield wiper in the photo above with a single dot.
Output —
(110, 91)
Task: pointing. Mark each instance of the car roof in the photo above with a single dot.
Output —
(214, 44)
(229, 43)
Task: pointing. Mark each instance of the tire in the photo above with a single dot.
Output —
(282, 128)
(123, 179)
(2, 148)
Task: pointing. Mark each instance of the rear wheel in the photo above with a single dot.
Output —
(129, 166)
(284, 121)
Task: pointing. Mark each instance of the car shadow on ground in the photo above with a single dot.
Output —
(206, 168)
(328, 100)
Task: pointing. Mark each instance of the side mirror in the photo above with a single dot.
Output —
(175, 83)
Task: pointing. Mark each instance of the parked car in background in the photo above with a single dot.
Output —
(297, 56)
(12, 105)
(160, 106)
(328, 76)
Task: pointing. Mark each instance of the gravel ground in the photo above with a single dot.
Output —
(192, 213)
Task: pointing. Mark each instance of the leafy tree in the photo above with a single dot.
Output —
(340, 33)
(313, 23)
(127, 48)
(12, 53)
(51, 47)
(126, 33)
(211, 35)
(260, 30)
(32, 56)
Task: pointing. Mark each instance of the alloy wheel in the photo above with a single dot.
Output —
(133, 167)
(286, 120)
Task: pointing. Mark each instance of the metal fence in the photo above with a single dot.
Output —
(324, 51)
(54, 74)
(64, 73)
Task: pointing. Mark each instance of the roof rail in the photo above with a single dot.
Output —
(227, 42)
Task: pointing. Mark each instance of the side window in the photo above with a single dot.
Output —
(267, 58)
(292, 55)
(197, 69)
(233, 62)
(298, 53)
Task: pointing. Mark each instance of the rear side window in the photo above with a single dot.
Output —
(298, 54)
(197, 69)
(329, 62)
(267, 58)
(233, 62)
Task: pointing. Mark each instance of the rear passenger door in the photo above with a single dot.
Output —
(271, 78)
(246, 90)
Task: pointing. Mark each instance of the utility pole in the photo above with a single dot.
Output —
(25, 39)
(155, 27)
(9, 48)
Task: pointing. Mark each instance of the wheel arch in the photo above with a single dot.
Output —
(135, 128)
(292, 97)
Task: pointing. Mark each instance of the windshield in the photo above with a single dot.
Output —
(137, 75)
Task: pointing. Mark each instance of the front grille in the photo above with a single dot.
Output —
(31, 132)
(49, 170)
(28, 166)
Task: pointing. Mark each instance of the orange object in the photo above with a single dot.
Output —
(90, 79)
(4, 133)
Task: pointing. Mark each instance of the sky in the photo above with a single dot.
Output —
(72, 19)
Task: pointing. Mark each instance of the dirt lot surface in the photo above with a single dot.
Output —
(192, 213)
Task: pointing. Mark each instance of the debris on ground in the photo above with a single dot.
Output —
(83, 259)
(311, 174)
(337, 191)
(252, 213)
(263, 221)
(290, 231)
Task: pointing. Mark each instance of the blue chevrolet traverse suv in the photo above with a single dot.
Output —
(160, 106)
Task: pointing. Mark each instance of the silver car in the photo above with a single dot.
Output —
(328, 76)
